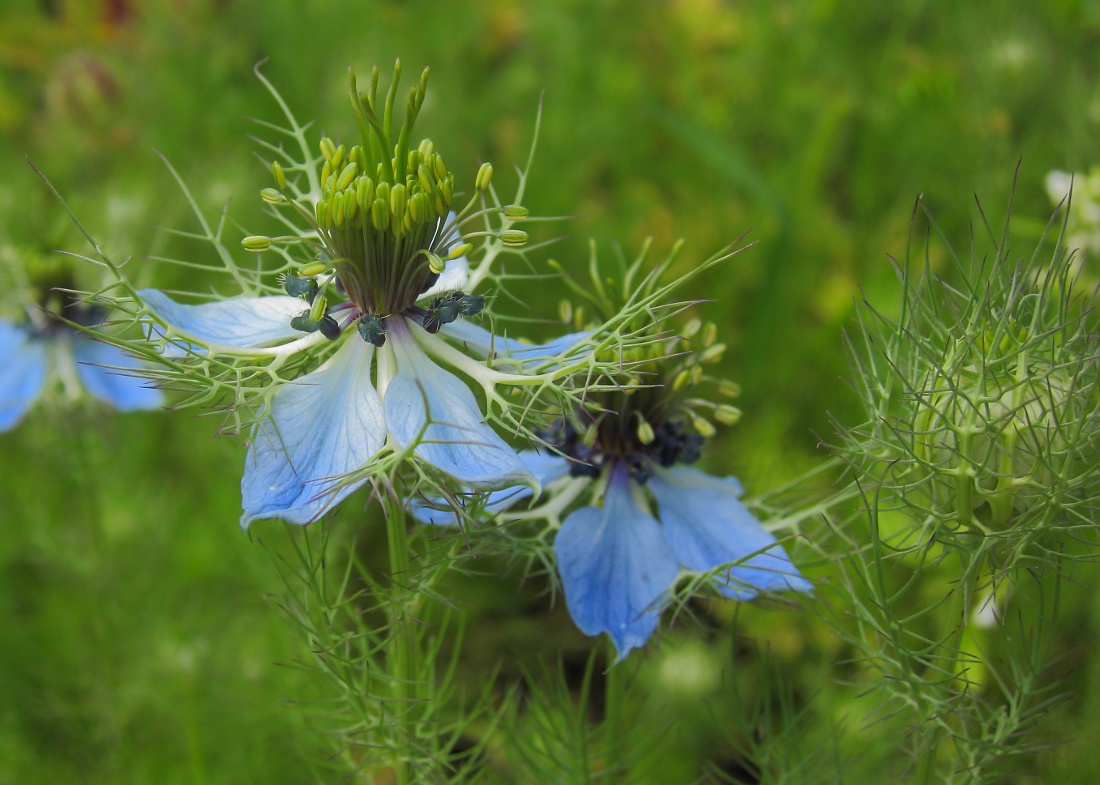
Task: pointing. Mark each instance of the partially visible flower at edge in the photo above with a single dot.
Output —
(42, 348)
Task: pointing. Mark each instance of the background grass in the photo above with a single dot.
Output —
(138, 644)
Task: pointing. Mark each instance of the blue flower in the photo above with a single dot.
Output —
(618, 561)
(321, 430)
(29, 356)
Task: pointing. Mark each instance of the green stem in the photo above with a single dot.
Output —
(402, 653)
(614, 709)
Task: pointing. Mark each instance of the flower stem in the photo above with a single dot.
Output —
(402, 650)
(614, 708)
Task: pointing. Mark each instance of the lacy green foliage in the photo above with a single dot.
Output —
(977, 468)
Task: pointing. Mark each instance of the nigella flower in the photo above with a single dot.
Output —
(650, 516)
(380, 301)
(44, 348)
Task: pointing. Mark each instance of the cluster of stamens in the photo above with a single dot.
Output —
(383, 224)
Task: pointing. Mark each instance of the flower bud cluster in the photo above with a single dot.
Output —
(984, 412)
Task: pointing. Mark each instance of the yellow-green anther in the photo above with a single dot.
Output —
(565, 311)
(311, 269)
(317, 310)
(351, 206)
(438, 203)
(710, 334)
(338, 157)
(645, 431)
(515, 212)
(382, 191)
(437, 264)
(726, 414)
(703, 426)
(347, 176)
(331, 202)
(696, 374)
(280, 176)
(691, 328)
(425, 149)
(682, 379)
(398, 200)
(729, 389)
(272, 196)
(513, 238)
(424, 177)
(328, 149)
(713, 354)
(578, 316)
(438, 165)
(484, 176)
(459, 250)
(380, 212)
(256, 243)
(447, 190)
(338, 208)
(364, 192)
(326, 174)
(321, 211)
(590, 434)
(413, 160)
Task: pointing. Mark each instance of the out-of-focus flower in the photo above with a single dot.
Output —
(44, 349)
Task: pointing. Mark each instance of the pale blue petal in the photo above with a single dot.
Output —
(23, 361)
(707, 526)
(484, 343)
(240, 321)
(424, 397)
(544, 467)
(322, 426)
(615, 567)
(98, 364)
(455, 274)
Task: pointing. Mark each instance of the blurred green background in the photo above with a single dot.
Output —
(138, 638)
